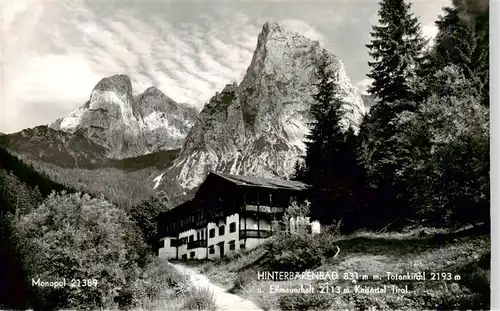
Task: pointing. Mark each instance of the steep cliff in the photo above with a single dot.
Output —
(257, 128)
(129, 126)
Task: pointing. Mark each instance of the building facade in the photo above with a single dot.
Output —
(228, 213)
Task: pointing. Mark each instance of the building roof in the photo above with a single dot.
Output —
(251, 181)
(186, 205)
(246, 181)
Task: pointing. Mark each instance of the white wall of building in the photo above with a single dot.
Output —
(226, 238)
(167, 251)
(183, 248)
(316, 227)
(199, 253)
(202, 253)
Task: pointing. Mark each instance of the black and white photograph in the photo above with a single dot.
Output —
(245, 155)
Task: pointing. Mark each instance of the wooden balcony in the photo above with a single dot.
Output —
(263, 209)
(254, 233)
(197, 244)
(262, 212)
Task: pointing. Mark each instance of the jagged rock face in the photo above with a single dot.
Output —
(128, 126)
(165, 123)
(257, 128)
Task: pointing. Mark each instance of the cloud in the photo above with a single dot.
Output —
(55, 52)
(10, 12)
(303, 28)
(188, 61)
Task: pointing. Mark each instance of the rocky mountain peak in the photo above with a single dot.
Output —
(154, 99)
(278, 49)
(129, 126)
(153, 90)
(274, 28)
(257, 128)
(118, 83)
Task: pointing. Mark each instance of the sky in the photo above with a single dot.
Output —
(53, 53)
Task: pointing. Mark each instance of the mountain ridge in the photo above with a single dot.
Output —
(266, 114)
(127, 125)
(255, 127)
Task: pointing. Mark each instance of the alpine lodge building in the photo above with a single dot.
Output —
(227, 213)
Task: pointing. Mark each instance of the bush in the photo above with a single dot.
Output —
(243, 279)
(326, 241)
(199, 299)
(158, 281)
(293, 252)
(143, 217)
(76, 237)
(207, 267)
(311, 301)
(297, 250)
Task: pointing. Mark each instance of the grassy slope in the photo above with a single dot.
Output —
(466, 254)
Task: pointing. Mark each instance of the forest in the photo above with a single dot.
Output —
(422, 153)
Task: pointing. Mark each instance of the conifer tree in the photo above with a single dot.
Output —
(462, 40)
(397, 48)
(329, 156)
(397, 45)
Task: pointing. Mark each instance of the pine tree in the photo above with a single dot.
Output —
(327, 164)
(462, 40)
(396, 48)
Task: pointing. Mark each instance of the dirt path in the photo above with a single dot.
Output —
(223, 300)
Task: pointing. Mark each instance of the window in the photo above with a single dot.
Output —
(161, 244)
(212, 233)
(232, 227)
(185, 256)
(191, 238)
(191, 254)
(232, 247)
(211, 249)
(202, 234)
(198, 235)
(173, 243)
(221, 230)
(242, 246)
